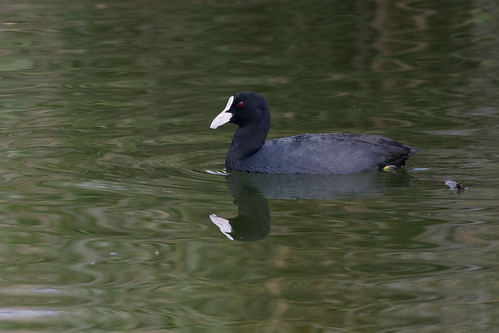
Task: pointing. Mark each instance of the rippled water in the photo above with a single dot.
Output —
(112, 180)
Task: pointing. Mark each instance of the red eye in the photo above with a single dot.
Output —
(240, 103)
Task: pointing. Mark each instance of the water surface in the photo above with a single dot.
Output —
(110, 172)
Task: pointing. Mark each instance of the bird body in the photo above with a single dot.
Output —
(331, 153)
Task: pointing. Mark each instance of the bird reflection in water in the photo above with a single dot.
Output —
(250, 192)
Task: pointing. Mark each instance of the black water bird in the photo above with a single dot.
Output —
(332, 153)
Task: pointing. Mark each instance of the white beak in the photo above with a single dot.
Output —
(223, 224)
(224, 116)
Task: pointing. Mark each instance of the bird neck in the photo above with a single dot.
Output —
(246, 142)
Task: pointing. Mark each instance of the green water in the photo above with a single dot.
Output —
(110, 172)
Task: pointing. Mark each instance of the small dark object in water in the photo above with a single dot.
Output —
(455, 186)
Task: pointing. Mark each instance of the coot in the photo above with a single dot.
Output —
(333, 153)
